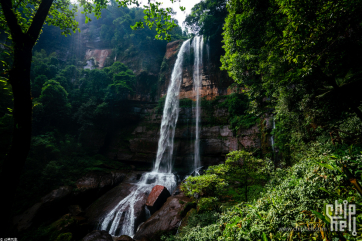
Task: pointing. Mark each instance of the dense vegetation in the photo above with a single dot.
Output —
(291, 198)
(69, 100)
(296, 64)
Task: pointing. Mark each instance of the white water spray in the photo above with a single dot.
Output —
(161, 174)
(197, 76)
(170, 116)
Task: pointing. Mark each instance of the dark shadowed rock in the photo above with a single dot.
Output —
(57, 195)
(48, 207)
(64, 199)
(76, 210)
(157, 198)
(102, 206)
(123, 238)
(166, 219)
(143, 239)
(98, 181)
(98, 235)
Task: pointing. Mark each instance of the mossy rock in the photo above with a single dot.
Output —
(191, 212)
(187, 208)
(64, 237)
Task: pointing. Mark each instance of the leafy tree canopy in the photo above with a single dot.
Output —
(306, 55)
(207, 17)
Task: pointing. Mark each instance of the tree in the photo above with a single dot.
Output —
(297, 60)
(54, 99)
(207, 17)
(38, 84)
(305, 54)
(22, 21)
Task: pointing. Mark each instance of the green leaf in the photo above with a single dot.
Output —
(320, 216)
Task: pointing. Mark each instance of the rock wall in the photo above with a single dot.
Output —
(137, 141)
(139, 145)
(214, 81)
(145, 62)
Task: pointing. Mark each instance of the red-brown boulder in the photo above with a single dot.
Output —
(157, 198)
(166, 219)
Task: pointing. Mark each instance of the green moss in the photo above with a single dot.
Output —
(186, 103)
(160, 104)
(64, 237)
(187, 208)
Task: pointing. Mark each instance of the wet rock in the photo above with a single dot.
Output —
(103, 205)
(166, 219)
(57, 195)
(98, 235)
(157, 198)
(64, 199)
(98, 181)
(76, 210)
(177, 191)
(123, 238)
(50, 207)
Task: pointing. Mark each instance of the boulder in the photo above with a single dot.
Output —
(76, 210)
(102, 206)
(64, 199)
(49, 207)
(76, 226)
(166, 219)
(157, 198)
(98, 235)
(123, 238)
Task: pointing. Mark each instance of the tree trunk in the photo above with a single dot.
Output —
(19, 78)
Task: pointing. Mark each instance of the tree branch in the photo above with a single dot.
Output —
(17, 5)
(38, 20)
(12, 21)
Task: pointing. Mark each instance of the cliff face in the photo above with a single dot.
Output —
(144, 61)
(137, 141)
(214, 81)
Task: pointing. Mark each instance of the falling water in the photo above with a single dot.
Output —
(197, 46)
(170, 116)
(272, 137)
(126, 206)
(208, 51)
(161, 174)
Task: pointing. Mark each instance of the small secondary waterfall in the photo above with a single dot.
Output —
(272, 137)
(161, 174)
(197, 77)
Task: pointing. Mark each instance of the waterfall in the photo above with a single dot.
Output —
(125, 208)
(197, 77)
(170, 116)
(272, 137)
(161, 174)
